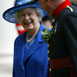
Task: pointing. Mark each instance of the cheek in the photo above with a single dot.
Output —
(37, 19)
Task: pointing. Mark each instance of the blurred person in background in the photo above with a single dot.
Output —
(47, 21)
(63, 42)
(20, 29)
(30, 50)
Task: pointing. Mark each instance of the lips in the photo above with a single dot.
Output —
(26, 23)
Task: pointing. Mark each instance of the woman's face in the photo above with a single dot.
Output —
(28, 18)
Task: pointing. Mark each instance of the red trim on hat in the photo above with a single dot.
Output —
(61, 7)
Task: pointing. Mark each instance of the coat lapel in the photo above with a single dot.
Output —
(21, 50)
(32, 49)
(38, 41)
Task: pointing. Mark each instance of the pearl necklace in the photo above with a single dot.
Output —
(28, 40)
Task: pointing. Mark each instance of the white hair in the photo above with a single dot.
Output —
(39, 13)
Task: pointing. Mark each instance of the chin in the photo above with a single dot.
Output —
(30, 28)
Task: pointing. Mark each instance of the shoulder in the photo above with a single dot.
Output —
(72, 13)
(69, 10)
(71, 20)
(39, 34)
(44, 27)
(72, 10)
(20, 37)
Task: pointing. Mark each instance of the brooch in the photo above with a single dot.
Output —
(46, 34)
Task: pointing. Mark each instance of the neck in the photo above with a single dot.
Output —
(53, 4)
(58, 2)
(33, 31)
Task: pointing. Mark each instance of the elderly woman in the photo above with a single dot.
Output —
(30, 50)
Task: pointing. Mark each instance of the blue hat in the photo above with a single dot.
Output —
(10, 14)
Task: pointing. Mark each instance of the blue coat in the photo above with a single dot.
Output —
(35, 62)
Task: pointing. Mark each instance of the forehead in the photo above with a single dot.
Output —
(26, 10)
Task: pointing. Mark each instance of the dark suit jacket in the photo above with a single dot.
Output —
(63, 41)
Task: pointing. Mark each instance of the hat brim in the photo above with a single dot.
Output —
(10, 14)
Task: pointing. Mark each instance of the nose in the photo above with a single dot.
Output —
(26, 17)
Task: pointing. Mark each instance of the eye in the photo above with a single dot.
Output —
(29, 14)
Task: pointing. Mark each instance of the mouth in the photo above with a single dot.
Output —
(27, 23)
